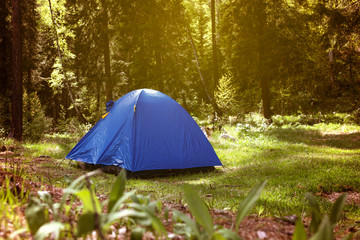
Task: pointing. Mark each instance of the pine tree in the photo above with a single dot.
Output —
(226, 95)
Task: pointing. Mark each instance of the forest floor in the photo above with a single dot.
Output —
(29, 170)
(252, 227)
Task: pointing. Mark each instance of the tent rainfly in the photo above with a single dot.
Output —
(146, 130)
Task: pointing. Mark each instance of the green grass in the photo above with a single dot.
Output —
(56, 146)
(295, 160)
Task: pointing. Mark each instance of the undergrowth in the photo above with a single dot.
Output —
(295, 158)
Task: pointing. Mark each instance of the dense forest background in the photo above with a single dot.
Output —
(62, 60)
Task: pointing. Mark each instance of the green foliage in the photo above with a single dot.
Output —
(226, 95)
(4, 116)
(137, 211)
(310, 67)
(252, 123)
(11, 202)
(74, 127)
(300, 232)
(35, 215)
(312, 119)
(117, 190)
(248, 203)
(92, 217)
(34, 120)
(321, 225)
(198, 208)
(320, 222)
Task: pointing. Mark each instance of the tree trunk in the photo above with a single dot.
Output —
(106, 46)
(211, 100)
(332, 68)
(214, 45)
(159, 79)
(4, 44)
(263, 76)
(67, 85)
(98, 90)
(17, 88)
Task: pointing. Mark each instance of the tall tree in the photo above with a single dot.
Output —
(106, 49)
(66, 81)
(214, 45)
(17, 81)
(5, 69)
(4, 44)
(262, 73)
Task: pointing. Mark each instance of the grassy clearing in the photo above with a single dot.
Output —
(294, 159)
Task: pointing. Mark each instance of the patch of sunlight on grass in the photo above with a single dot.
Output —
(295, 160)
(54, 150)
(336, 127)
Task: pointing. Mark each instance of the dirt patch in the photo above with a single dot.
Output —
(252, 227)
(353, 197)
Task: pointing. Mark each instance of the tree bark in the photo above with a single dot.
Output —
(106, 46)
(159, 79)
(214, 45)
(4, 44)
(263, 76)
(17, 88)
(332, 69)
(211, 100)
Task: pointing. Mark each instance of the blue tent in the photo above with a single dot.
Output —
(146, 130)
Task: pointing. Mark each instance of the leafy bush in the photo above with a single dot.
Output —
(203, 227)
(140, 215)
(253, 123)
(137, 212)
(12, 198)
(321, 225)
(35, 123)
(73, 127)
(311, 119)
(4, 115)
(226, 95)
(92, 217)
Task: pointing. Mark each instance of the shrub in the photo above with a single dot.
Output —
(321, 225)
(34, 121)
(226, 94)
(73, 127)
(137, 212)
(253, 123)
(311, 119)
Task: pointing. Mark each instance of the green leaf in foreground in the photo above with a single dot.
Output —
(316, 215)
(86, 223)
(188, 223)
(89, 200)
(149, 218)
(227, 234)
(35, 215)
(75, 186)
(248, 203)
(300, 232)
(337, 209)
(324, 232)
(117, 190)
(198, 209)
(53, 227)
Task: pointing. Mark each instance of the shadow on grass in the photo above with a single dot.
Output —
(316, 138)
